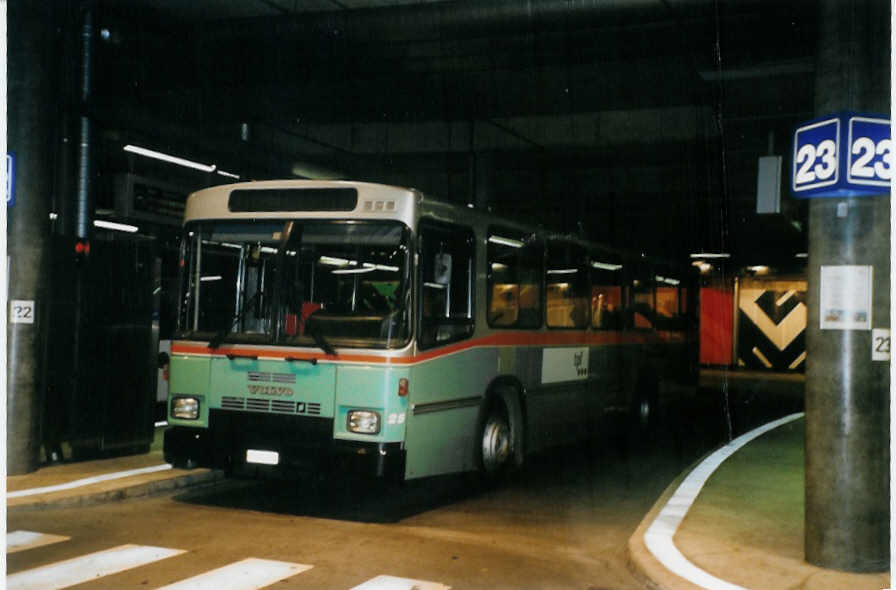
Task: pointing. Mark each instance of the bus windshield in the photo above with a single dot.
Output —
(296, 283)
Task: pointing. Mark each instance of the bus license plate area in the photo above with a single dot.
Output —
(262, 457)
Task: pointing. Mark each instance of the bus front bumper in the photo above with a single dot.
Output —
(279, 446)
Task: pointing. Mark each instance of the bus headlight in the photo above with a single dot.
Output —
(185, 408)
(363, 422)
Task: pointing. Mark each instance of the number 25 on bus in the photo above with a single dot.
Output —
(376, 329)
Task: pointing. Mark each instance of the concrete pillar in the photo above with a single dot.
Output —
(847, 395)
(32, 63)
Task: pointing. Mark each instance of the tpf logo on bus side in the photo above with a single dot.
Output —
(564, 364)
(581, 368)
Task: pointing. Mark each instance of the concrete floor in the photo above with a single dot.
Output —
(563, 522)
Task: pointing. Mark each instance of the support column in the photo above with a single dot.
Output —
(847, 395)
(32, 78)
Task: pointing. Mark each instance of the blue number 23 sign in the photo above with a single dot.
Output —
(842, 155)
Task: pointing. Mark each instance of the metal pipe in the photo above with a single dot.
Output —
(84, 201)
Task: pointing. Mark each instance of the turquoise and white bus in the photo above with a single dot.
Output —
(371, 327)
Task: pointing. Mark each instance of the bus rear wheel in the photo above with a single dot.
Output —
(644, 402)
(496, 441)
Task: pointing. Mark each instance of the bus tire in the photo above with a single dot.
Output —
(500, 438)
(644, 402)
(495, 440)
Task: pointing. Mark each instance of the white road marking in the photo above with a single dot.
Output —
(22, 540)
(87, 481)
(658, 537)
(248, 574)
(393, 583)
(87, 567)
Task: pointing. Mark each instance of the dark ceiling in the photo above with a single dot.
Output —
(637, 122)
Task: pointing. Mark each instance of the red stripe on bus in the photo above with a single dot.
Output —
(546, 339)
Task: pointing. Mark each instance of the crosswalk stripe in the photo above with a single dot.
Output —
(248, 574)
(22, 540)
(87, 567)
(393, 583)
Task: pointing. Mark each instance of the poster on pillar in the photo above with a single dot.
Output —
(842, 155)
(845, 297)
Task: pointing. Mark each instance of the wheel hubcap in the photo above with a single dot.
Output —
(644, 411)
(495, 444)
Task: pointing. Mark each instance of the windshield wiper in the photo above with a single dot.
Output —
(312, 328)
(218, 338)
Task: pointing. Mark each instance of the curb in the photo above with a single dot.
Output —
(646, 569)
(137, 490)
(672, 567)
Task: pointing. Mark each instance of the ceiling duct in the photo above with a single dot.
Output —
(451, 20)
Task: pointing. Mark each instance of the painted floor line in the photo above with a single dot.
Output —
(87, 567)
(87, 481)
(393, 583)
(659, 535)
(22, 540)
(248, 574)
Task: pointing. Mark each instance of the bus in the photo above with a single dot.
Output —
(373, 328)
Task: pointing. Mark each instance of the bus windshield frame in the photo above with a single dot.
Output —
(296, 282)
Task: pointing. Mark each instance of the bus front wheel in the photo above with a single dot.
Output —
(496, 443)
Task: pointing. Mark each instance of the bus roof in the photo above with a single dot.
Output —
(329, 199)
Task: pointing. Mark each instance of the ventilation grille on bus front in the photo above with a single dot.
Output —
(274, 406)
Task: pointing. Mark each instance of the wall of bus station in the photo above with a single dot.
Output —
(756, 323)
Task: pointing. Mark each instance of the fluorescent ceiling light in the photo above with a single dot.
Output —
(802, 255)
(562, 271)
(505, 241)
(229, 174)
(667, 280)
(606, 266)
(115, 226)
(211, 278)
(711, 255)
(352, 271)
(169, 158)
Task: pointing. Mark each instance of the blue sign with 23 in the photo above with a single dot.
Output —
(842, 155)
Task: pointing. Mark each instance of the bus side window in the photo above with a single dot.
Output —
(514, 280)
(671, 301)
(446, 283)
(567, 281)
(606, 293)
(643, 301)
